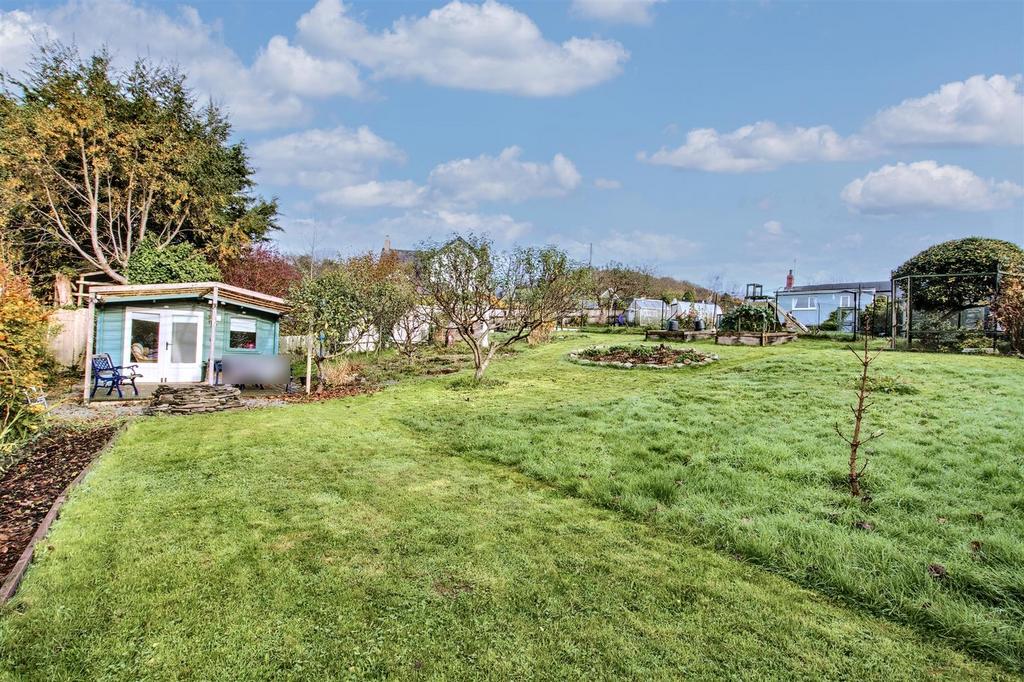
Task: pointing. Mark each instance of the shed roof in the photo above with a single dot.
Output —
(225, 292)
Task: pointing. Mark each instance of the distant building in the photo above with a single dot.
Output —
(812, 304)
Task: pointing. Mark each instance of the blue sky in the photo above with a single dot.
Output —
(722, 139)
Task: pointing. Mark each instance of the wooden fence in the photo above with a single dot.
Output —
(68, 332)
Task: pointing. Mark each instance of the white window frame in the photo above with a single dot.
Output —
(848, 298)
(812, 303)
(248, 321)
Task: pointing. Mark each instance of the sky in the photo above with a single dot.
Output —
(725, 141)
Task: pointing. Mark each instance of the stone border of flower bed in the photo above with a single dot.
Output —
(574, 357)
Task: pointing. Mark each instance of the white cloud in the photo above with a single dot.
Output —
(504, 178)
(926, 186)
(637, 246)
(324, 158)
(607, 183)
(20, 34)
(976, 111)
(771, 236)
(489, 47)
(758, 147)
(416, 226)
(397, 193)
(290, 68)
(615, 11)
(213, 69)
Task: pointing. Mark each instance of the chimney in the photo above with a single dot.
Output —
(789, 279)
(387, 243)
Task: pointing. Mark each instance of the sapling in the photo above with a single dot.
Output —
(865, 357)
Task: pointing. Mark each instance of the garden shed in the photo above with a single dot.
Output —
(172, 330)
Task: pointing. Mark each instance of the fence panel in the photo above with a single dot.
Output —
(68, 332)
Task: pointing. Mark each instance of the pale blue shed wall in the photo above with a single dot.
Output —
(110, 321)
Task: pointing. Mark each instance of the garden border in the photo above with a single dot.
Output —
(13, 579)
(574, 357)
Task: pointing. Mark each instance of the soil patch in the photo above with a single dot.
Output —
(325, 394)
(29, 487)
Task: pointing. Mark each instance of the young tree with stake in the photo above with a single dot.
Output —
(856, 440)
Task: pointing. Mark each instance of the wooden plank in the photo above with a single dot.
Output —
(88, 349)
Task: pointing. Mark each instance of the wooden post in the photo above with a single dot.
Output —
(88, 349)
(892, 312)
(910, 311)
(309, 363)
(211, 375)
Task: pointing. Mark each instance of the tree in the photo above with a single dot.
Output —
(23, 357)
(616, 282)
(97, 161)
(151, 263)
(973, 260)
(261, 268)
(469, 284)
(328, 307)
(385, 288)
(1008, 311)
(857, 439)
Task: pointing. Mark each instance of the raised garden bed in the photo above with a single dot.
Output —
(30, 487)
(650, 357)
(754, 338)
(681, 335)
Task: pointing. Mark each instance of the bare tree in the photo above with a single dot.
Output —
(470, 286)
(616, 282)
(856, 440)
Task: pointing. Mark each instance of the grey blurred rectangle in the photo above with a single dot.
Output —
(255, 369)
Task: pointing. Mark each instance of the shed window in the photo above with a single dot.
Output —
(242, 334)
(805, 302)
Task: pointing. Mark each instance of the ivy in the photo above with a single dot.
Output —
(154, 264)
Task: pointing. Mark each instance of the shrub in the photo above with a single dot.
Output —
(1008, 311)
(151, 263)
(874, 319)
(23, 357)
(747, 318)
(339, 372)
(970, 255)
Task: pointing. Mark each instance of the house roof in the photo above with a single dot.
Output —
(227, 293)
(403, 255)
(880, 285)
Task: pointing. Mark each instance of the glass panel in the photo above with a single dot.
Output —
(184, 338)
(242, 334)
(145, 338)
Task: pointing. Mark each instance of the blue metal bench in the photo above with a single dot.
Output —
(106, 373)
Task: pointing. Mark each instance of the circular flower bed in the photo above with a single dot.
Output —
(630, 357)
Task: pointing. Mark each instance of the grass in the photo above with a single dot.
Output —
(562, 521)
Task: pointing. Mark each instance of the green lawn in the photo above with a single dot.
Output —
(562, 521)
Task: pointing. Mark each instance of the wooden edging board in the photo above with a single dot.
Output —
(10, 585)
